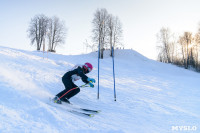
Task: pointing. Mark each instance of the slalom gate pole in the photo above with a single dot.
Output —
(98, 71)
(114, 73)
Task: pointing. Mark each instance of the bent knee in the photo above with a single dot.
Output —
(78, 89)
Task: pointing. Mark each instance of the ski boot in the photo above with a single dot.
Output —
(57, 100)
(66, 101)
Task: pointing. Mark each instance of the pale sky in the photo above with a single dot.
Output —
(141, 21)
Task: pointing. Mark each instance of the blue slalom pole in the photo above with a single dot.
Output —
(114, 73)
(98, 71)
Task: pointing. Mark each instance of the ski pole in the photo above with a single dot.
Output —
(71, 90)
(98, 70)
(114, 73)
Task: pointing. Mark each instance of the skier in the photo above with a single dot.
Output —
(68, 80)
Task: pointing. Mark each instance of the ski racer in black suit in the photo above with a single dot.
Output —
(78, 72)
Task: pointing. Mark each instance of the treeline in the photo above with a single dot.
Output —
(44, 29)
(106, 31)
(182, 50)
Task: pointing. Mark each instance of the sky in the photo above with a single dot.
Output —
(141, 21)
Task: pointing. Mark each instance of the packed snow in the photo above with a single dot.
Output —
(152, 97)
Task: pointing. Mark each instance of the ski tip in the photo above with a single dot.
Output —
(97, 111)
(91, 115)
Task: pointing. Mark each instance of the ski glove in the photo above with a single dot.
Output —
(91, 85)
(91, 80)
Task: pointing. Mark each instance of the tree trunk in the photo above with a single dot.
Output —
(102, 53)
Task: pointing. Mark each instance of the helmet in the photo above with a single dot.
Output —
(88, 66)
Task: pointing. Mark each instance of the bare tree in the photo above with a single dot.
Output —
(107, 30)
(173, 49)
(37, 30)
(196, 49)
(56, 33)
(99, 28)
(183, 50)
(188, 41)
(185, 41)
(114, 31)
(164, 47)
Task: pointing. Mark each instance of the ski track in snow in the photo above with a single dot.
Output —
(151, 96)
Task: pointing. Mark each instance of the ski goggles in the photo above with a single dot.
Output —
(88, 68)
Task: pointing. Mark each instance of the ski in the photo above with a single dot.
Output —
(80, 113)
(74, 109)
(90, 110)
(82, 109)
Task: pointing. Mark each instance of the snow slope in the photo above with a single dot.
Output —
(152, 97)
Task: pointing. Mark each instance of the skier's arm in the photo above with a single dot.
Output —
(82, 75)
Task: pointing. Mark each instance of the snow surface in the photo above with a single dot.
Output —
(152, 97)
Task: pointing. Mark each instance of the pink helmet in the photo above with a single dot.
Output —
(88, 66)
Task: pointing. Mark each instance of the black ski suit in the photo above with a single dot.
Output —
(70, 87)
